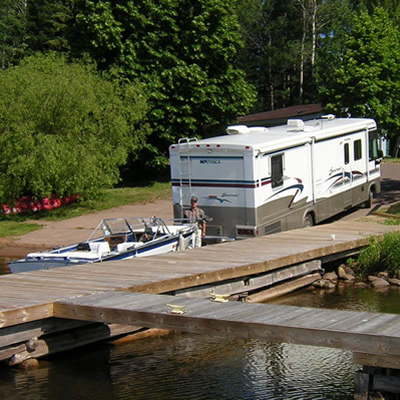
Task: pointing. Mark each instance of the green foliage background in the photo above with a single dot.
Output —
(366, 81)
(183, 51)
(164, 70)
(64, 129)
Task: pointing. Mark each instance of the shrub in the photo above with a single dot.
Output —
(381, 255)
(64, 129)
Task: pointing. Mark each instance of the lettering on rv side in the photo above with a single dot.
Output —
(335, 170)
(229, 195)
(223, 197)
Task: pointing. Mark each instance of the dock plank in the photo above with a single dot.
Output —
(237, 319)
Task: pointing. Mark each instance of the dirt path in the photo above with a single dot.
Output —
(79, 228)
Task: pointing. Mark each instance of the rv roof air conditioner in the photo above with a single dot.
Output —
(242, 129)
(237, 129)
(329, 117)
(259, 129)
(295, 125)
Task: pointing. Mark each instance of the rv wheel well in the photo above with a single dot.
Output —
(371, 194)
(309, 219)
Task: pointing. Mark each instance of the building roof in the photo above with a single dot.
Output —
(306, 111)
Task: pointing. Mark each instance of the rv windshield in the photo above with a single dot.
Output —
(373, 146)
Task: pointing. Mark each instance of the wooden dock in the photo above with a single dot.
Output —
(34, 305)
(29, 296)
(361, 332)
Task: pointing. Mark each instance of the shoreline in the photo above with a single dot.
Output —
(78, 229)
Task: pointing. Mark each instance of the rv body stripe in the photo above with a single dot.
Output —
(338, 180)
(265, 181)
(218, 185)
(352, 176)
(299, 188)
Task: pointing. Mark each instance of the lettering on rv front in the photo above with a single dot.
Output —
(210, 162)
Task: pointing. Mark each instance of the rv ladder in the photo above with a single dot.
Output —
(185, 172)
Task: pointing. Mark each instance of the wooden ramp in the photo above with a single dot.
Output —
(361, 332)
(30, 296)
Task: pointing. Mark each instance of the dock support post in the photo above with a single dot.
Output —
(361, 385)
(380, 375)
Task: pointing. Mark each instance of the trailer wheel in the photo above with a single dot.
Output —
(308, 221)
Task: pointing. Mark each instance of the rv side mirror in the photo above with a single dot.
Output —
(380, 157)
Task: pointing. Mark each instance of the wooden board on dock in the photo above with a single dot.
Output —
(362, 332)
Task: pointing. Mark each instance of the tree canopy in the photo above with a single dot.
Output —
(183, 51)
(12, 31)
(366, 80)
(198, 63)
(64, 129)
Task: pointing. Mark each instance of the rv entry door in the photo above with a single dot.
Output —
(347, 181)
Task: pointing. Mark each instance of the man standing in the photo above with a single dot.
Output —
(197, 215)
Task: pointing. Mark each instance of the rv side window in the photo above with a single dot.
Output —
(277, 170)
(357, 150)
(346, 153)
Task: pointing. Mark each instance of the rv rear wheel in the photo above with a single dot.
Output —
(308, 221)
(368, 203)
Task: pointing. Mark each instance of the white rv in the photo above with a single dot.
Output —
(256, 181)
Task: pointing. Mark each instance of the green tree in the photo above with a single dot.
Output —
(270, 56)
(336, 21)
(50, 24)
(365, 79)
(64, 129)
(12, 31)
(282, 53)
(183, 51)
(391, 6)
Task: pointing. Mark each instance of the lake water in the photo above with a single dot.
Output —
(185, 366)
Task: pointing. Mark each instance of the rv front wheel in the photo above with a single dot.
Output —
(308, 221)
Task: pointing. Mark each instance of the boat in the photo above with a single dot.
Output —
(114, 239)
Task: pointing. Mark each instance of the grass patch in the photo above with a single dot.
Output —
(394, 209)
(15, 228)
(390, 160)
(12, 225)
(110, 198)
(392, 214)
(391, 221)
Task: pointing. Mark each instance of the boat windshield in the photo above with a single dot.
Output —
(128, 226)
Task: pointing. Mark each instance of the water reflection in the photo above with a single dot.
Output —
(188, 367)
(346, 297)
(183, 366)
